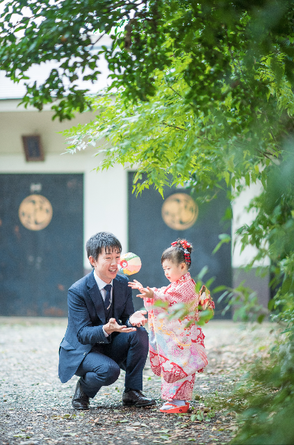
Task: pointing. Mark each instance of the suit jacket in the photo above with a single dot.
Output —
(86, 316)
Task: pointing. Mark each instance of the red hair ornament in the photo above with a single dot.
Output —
(183, 244)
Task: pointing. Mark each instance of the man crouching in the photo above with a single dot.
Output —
(103, 334)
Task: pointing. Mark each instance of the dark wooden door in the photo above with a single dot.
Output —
(41, 242)
(149, 235)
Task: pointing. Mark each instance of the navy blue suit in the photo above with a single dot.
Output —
(85, 351)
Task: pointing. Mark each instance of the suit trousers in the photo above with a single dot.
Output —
(101, 366)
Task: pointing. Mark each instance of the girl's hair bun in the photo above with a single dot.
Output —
(180, 250)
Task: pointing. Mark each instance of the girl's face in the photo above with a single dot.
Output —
(173, 271)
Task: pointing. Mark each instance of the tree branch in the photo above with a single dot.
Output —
(175, 92)
(173, 126)
(99, 38)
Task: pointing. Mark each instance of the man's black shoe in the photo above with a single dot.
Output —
(136, 398)
(80, 399)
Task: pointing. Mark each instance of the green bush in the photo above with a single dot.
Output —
(264, 398)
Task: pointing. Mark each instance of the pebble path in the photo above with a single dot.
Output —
(35, 408)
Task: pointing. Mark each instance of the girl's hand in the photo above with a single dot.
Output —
(146, 292)
(136, 285)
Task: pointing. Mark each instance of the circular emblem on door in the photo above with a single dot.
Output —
(35, 212)
(179, 211)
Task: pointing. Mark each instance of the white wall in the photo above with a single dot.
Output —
(240, 218)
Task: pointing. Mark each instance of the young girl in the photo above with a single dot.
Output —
(176, 346)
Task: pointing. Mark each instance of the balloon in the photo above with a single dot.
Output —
(129, 263)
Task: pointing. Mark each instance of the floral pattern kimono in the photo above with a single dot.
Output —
(176, 346)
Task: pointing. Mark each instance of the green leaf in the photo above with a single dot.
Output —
(224, 239)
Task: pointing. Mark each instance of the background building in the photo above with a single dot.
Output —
(51, 203)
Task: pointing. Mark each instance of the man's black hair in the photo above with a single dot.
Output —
(102, 239)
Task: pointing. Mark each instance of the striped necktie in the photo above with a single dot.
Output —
(107, 298)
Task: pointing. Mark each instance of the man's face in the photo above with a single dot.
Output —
(106, 266)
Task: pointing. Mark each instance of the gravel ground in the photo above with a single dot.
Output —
(35, 408)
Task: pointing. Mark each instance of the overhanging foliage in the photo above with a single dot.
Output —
(213, 32)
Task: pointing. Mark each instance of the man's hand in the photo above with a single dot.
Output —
(138, 319)
(113, 326)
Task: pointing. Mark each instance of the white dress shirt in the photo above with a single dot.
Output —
(101, 284)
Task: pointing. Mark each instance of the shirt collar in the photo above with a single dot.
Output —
(100, 283)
